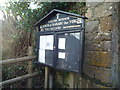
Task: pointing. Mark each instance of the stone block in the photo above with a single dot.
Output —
(91, 26)
(99, 58)
(91, 47)
(89, 13)
(111, 1)
(106, 24)
(89, 39)
(105, 45)
(103, 74)
(89, 70)
(90, 36)
(102, 37)
(103, 10)
(94, 4)
(98, 73)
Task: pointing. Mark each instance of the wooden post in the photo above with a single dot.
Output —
(46, 77)
(71, 81)
(77, 80)
(51, 81)
(30, 67)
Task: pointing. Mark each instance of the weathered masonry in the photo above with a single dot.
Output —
(102, 45)
(60, 40)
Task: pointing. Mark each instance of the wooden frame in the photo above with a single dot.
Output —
(28, 76)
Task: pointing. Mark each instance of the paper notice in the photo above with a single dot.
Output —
(61, 55)
(42, 56)
(49, 42)
(61, 43)
(42, 42)
(46, 42)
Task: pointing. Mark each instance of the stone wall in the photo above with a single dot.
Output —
(101, 46)
(119, 45)
(115, 49)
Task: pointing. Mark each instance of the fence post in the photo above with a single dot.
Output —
(30, 67)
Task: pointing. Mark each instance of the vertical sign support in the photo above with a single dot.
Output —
(71, 83)
(46, 77)
(51, 81)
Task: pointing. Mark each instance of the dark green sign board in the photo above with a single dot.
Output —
(60, 41)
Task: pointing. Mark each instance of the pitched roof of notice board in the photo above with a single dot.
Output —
(55, 11)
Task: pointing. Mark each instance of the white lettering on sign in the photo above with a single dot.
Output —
(73, 21)
(62, 19)
(58, 15)
(79, 20)
(62, 23)
(72, 26)
(66, 22)
(52, 21)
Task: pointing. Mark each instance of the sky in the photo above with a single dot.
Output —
(2, 3)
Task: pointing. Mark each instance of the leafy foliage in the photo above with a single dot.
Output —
(61, 79)
(27, 17)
